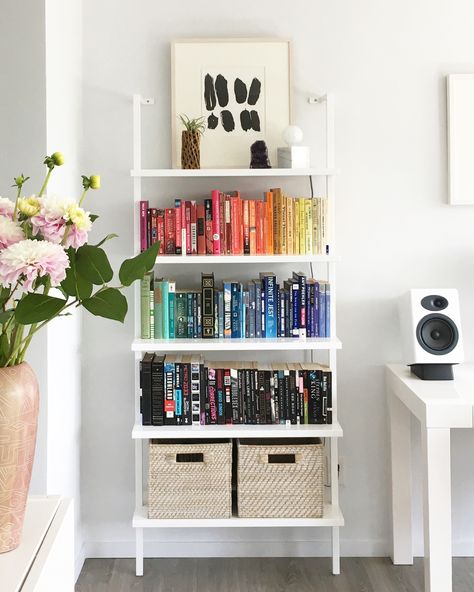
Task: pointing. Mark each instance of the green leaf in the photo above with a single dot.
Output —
(93, 217)
(4, 316)
(92, 263)
(136, 268)
(74, 284)
(4, 295)
(4, 347)
(108, 237)
(34, 308)
(109, 303)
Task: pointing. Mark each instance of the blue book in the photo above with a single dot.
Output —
(178, 392)
(189, 314)
(294, 309)
(227, 308)
(235, 307)
(309, 308)
(258, 307)
(316, 311)
(165, 307)
(171, 308)
(328, 310)
(170, 407)
(220, 313)
(262, 310)
(251, 310)
(269, 290)
(246, 314)
(322, 309)
(198, 314)
(242, 311)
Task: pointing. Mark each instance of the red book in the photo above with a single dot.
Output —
(246, 225)
(193, 228)
(160, 230)
(143, 225)
(216, 223)
(208, 227)
(228, 226)
(188, 227)
(222, 221)
(148, 226)
(170, 245)
(201, 236)
(260, 219)
(236, 228)
(178, 226)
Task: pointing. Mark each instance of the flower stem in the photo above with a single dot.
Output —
(83, 195)
(16, 202)
(45, 184)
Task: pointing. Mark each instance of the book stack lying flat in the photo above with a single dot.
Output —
(299, 307)
(226, 224)
(186, 390)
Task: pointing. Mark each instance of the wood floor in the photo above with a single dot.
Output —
(263, 575)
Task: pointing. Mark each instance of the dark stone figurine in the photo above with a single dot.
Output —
(259, 156)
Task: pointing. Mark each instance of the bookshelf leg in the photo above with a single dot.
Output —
(139, 551)
(336, 563)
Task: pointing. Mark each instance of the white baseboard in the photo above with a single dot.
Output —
(79, 561)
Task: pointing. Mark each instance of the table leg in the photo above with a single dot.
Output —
(437, 509)
(400, 451)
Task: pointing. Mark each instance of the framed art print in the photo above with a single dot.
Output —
(241, 87)
(461, 138)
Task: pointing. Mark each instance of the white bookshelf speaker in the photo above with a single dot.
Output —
(430, 324)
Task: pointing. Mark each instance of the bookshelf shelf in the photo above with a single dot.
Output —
(332, 516)
(206, 345)
(326, 348)
(242, 259)
(216, 173)
(140, 432)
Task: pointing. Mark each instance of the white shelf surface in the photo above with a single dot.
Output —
(193, 173)
(332, 516)
(246, 259)
(198, 345)
(333, 430)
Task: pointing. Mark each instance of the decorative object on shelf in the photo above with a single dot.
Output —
(190, 142)
(294, 156)
(259, 155)
(43, 246)
(240, 101)
(460, 89)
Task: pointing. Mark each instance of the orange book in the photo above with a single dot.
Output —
(289, 225)
(246, 225)
(283, 231)
(260, 223)
(252, 227)
(268, 224)
(277, 201)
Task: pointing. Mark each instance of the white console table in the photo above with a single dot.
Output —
(439, 406)
(44, 561)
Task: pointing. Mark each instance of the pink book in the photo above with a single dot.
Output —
(216, 222)
(143, 226)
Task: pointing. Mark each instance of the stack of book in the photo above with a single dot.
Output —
(300, 307)
(225, 224)
(186, 390)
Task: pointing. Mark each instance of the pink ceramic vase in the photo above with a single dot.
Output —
(19, 401)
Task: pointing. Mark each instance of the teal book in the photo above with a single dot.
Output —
(181, 319)
(166, 311)
(158, 303)
(172, 306)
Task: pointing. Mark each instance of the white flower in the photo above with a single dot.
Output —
(29, 206)
(6, 207)
(10, 232)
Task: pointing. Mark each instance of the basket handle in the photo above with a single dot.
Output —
(195, 458)
(286, 458)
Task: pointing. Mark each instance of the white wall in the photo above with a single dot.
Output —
(386, 64)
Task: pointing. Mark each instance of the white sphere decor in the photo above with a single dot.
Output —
(293, 135)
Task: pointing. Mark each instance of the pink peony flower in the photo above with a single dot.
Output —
(29, 259)
(7, 207)
(10, 232)
(75, 237)
(52, 220)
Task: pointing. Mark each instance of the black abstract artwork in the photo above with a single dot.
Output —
(232, 102)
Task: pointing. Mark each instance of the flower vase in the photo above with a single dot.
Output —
(19, 403)
(190, 150)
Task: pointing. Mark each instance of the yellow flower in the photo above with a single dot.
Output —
(79, 217)
(57, 158)
(29, 206)
(94, 181)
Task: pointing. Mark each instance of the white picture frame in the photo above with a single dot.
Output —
(256, 63)
(460, 107)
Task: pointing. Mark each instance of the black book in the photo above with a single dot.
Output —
(275, 402)
(287, 396)
(329, 407)
(293, 396)
(178, 391)
(157, 390)
(187, 397)
(315, 396)
(283, 401)
(145, 385)
(267, 391)
(207, 285)
(326, 397)
(247, 396)
(261, 396)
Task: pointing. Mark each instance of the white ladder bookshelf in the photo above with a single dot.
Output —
(332, 516)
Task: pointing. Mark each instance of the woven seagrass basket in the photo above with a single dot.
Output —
(280, 478)
(190, 480)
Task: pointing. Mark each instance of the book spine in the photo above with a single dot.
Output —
(324, 226)
(269, 282)
(328, 310)
(158, 303)
(178, 393)
(290, 224)
(216, 314)
(171, 309)
(235, 394)
(160, 230)
(196, 393)
(315, 228)
(236, 229)
(292, 390)
(148, 226)
(301, 279)
(328, 397)
(268, 225)
(204, 417)
(262, 397)
(296, 227)
(246, 225)
(283, 227)
(220, 313)
(146, 387)
(282, 313)
(235, 308)
(251, 311)
(228, 225)
(189, 315)
(295, 312)
(227, 396)
(193, 213)
(169, 393)
(157, 390)
(216, 223)
(245, 314)
(145, 307)
(170, 231)
(211, 389)
(187, 226)
(220, 396)
(315, 329)
(187, 402)
(178, 227)
(262, 308)
(258, 308)
(222, 234)
(308, 226)
(275, 403)
(309, 309)
(276, 220)
(201, 235)
(227, 309)
(322, 309)
(252, 227)
(143, 225)
(181, 329)
(207, 285)
(208, 226)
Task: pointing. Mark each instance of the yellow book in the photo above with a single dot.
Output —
(324, 226)
(289, 226)
(308, 220)
(296, 227)
(316, 237)
(301, 201)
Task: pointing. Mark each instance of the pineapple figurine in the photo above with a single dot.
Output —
(190, 142)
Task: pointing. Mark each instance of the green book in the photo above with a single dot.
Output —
(181, 324)
(166, 311)
(158, 304)
(145, 307)
(172, 305)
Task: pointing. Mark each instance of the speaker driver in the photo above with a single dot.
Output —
(437, 334)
